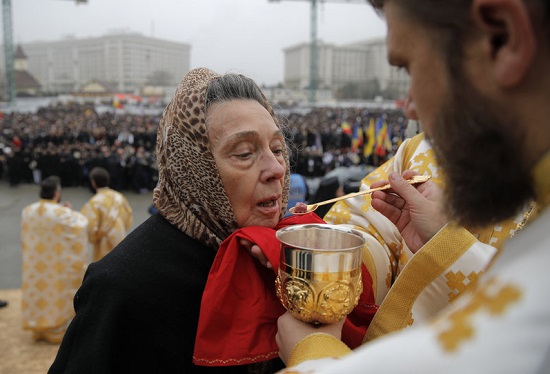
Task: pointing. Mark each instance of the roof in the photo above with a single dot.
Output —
(24, 80)
(19, 53)
(97, 86)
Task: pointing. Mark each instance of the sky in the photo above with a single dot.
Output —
(239, 36)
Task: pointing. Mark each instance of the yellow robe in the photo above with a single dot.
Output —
(502, 326)
(110, 218)
(413, 287)
(55, 255)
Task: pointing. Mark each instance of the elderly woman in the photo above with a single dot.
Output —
(223, 170)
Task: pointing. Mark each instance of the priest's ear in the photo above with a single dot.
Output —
(509, 36)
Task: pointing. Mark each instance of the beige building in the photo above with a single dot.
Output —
(361, 66)
(126, 61)
(297, 66)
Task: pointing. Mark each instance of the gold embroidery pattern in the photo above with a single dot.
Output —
(403, 257)
(238, 361)
(378, 174)
(423, 163)
(458, 283)
(366, 206)
(410, 320)
(389, 277)
(339, 214)
(54, 253)
(494, 298)
(110, 218)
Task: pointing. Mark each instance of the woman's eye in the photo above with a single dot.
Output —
(244, 155)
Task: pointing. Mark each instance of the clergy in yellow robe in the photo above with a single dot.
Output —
(482, 93)
(55, 255)
(501, 326)
(413, 287)
(109, 214)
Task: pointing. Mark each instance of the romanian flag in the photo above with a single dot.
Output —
(346, 128)
(388, 141)
(357, 136)
(371, 137)
(383, 142)
(117, 104)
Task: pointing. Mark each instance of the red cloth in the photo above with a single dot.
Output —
(239, 308)
(357, 322)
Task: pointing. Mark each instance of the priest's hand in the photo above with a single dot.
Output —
(416, 211)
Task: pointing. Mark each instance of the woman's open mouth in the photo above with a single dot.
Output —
(267, 204)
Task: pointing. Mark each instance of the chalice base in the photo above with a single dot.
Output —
(317, 297)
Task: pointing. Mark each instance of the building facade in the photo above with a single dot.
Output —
(127, 61)
(297, 66)
(361, 66)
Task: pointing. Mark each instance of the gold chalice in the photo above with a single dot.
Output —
(319, 278)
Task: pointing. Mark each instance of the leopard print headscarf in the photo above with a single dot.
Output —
(189, 193)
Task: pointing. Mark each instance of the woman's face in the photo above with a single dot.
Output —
(249, 152)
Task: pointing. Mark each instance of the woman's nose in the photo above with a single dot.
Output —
(273, 168)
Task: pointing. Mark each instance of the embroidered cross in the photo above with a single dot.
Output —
(494, 298)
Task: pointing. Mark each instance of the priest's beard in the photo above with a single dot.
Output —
(480, 148)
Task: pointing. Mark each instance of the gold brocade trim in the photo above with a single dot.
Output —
(437, 255)
(530, 214)
(236, 361)
(316, 346)
(526, 218)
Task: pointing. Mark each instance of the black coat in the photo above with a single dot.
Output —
(137, 309)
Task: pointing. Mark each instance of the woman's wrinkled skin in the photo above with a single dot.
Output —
(190, 193)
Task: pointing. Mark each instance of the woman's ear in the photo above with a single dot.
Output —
(512, 41)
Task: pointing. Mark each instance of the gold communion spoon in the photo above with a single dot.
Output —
(312, 207)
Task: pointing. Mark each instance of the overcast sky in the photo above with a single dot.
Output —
(245, 36)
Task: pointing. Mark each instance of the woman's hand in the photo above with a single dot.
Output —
(291, 331)
(256, 252)
(417, 212)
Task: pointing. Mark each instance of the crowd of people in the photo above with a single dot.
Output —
(327, 137)
(68, 140)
